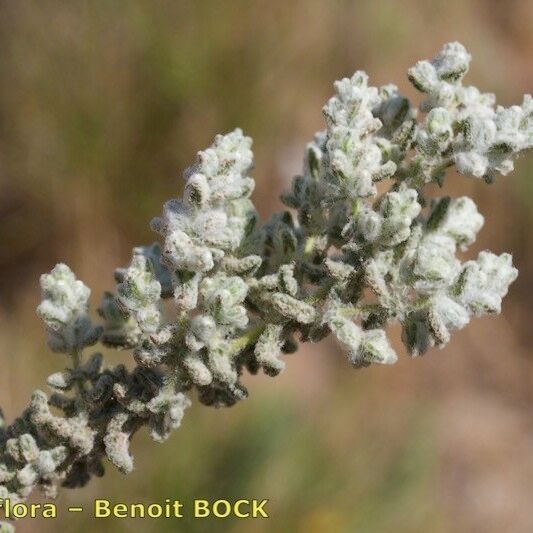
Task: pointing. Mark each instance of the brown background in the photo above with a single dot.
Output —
(102, 104)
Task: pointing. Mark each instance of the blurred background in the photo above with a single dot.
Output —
(103, 104)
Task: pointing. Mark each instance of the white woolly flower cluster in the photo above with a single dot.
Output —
(463, 125)
(64, 310)
(212, 217)
(354, 259)
(353, 157)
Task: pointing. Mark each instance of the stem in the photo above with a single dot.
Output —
(358, 309)
(76, 361)
(308, 246)
(305, 254)
(320, 293)
(246, 339)
(442, 167)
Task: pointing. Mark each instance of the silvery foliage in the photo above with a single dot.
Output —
(364, 250)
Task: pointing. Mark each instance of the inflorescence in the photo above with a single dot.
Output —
(361, 248)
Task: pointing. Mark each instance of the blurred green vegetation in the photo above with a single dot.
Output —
(103, 104)
(271, 450)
